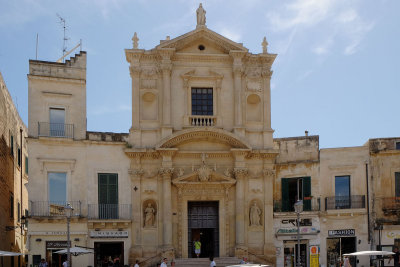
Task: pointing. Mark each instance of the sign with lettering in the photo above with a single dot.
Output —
(293, 222)
(56, 244)
(314, 256)
(303, 230)
(109, 234)
(343, 232)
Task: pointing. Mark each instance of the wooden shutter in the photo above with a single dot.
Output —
(285, 194)
(397, 183)
(108, 188)
(307, 193)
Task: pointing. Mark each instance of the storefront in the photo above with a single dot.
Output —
(287, 241)
(338, 243)
(109, 246)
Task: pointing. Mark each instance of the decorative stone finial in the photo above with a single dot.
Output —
(201, 16)
(135, 41)
(264, 45)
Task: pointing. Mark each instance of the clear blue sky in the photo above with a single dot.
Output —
(336, 75)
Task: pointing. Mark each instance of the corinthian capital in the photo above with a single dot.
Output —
(269, 173)
(135, 71)
(240, 172)
(166, 172)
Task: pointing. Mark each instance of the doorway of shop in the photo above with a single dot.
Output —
(336, 247)
(104, 252)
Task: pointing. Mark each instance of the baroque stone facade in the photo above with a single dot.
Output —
(198, 163)
(13, 178)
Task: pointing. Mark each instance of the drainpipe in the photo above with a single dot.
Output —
(21, 207)
(368, 212)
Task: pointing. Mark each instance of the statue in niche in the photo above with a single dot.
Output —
(201, 16)
(255, 215)
(150, 214)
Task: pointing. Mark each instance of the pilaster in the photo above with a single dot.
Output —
(237, 69)
(136, 179)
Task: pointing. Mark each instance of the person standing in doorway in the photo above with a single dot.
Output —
(395, 257)
(197, 247)
(65, 263)
(136, 263)
(164, 263)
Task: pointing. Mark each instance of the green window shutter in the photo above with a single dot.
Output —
(108, 188)
(26, 165)
(285, 194)
(307, 193)
(397, 183)
(12, 145)
(113, 189)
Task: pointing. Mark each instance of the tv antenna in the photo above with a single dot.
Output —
(65, 39)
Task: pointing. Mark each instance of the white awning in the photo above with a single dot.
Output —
(369, 253)
(9, 253)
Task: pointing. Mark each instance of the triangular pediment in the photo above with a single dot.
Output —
(204, 175)
(213, 42)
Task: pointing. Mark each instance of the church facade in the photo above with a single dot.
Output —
(199, 163)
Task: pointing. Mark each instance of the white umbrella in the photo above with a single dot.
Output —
(369, 253)
(9, 253)
(75, 251)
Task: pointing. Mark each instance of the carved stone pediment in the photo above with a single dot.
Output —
(204, 175)
(202, 34)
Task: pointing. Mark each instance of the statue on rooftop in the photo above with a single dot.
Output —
(201, 16)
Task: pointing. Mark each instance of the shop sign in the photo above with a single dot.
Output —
(303, 230)
(393, 234)
(56, 244)
(344, 232)
(109, 234)
(56, 233)
(314, 256)
(302, 222)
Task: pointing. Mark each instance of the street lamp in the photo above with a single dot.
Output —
(298, 208)
(68, 213)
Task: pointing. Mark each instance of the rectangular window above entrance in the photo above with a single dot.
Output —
(202, 101)
(294, 189)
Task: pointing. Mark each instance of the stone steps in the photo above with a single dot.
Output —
(205, 262)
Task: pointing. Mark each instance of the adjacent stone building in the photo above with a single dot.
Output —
(198, 163)
(13, 178)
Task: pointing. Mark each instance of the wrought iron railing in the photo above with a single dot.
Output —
(109, 211)
(53, 208)
(55, 130)
(201, 120)
(287, 205)
(345, 202)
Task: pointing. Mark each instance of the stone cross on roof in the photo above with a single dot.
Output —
(264, 45)
(135, 41)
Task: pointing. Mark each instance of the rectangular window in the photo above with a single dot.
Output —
(12, 145)
(26, 165)
(57, 187)
(202, 101)
(397, 145)
(19, 157)
(57, 122)
(108, 195)
(294, 189)
(397, 183)
(11, 205)
(342, 192)
(19, 212)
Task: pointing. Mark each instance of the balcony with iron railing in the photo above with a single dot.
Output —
(53, 208)
(390, 205)
(202, 120)
(109, 212)
(286, 205)
(63, 130)
(345, 202)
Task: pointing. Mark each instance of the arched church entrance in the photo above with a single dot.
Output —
(203, 225)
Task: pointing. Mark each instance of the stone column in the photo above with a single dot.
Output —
(237, 84)
(166, 174)
(136, 177)
(166, 67)
(266, 75)
(269, 247)
(135, 75)
(240, 174)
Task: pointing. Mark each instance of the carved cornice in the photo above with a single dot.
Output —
(142, 153)
(166, 53)
(167, 152)
(133, 55)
